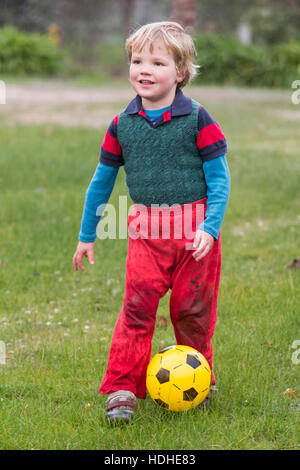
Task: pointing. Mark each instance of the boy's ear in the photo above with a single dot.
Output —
(180, 76)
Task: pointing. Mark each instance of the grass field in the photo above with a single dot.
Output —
(56, 323)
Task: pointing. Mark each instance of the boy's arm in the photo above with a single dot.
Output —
(212, 147)
(217, 178)
(102, 183)
(98, 194)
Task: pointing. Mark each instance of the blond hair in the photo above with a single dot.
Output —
(177, 41)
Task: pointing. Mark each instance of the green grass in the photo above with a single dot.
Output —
(57, 323)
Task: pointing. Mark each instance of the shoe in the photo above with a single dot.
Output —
(121, 407)
(210, 396)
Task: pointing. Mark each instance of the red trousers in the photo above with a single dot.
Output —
(156, 262)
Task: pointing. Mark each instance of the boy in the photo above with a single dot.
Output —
(173, 154)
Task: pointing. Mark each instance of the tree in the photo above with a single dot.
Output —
(127, 8)
(274, 21)
(28, 15)
(185, 13)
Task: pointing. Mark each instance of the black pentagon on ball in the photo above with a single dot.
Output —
(163, 375)
(161, 403)
(192, 361)
(190, 394)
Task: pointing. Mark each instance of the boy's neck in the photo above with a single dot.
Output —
(159, 104)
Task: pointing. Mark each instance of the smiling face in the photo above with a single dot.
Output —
(153, 75)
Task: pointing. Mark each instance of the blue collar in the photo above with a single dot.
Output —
(181, 105)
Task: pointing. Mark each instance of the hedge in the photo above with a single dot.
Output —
(28, 53)
(225, 60)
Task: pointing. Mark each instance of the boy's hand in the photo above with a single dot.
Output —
(83, 250)
(203, 243)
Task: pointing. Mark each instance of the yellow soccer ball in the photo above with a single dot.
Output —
(178, 378)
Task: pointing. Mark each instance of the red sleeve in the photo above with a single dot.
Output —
(211, 141)
(111, 151)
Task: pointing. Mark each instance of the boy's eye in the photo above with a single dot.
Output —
(159, 63)
(136, 61)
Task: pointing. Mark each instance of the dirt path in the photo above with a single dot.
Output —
(58, 103)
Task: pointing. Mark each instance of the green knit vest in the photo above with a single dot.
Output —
(162, 164)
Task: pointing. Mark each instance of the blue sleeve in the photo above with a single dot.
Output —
(217, 178)
(98, 193)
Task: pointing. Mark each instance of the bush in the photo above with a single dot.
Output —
(28, 53)
(285, 64)
(225, 60)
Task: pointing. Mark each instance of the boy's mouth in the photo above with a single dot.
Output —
(146, 82)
